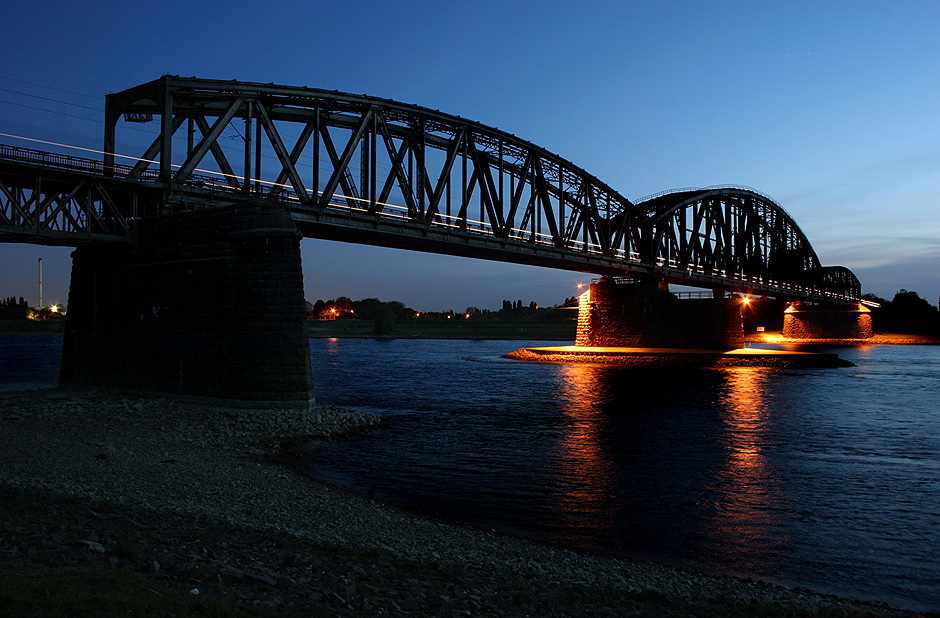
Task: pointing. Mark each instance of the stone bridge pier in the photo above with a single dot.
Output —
(208, 303)
(807, 321)
(645, 314)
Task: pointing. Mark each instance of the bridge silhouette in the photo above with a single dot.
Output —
(210, 214)
(367, 170)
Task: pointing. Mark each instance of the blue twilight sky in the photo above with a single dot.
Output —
(830, 108)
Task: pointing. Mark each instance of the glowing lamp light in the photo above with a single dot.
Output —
(745, 300)
(580, 285)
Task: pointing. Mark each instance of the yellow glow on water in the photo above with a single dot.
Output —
(747, 511)
(745, 419)
(588, 472)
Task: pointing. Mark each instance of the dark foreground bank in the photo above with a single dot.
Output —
(149, 505)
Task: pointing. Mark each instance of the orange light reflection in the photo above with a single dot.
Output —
(586, 473)
(745, 513)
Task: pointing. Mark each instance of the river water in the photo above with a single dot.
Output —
(827, 479)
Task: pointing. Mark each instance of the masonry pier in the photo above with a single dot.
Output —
(207, 303)
(825, 321)
(644, 314)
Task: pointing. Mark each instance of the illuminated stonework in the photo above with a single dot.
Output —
(827, 322)
(646, 315)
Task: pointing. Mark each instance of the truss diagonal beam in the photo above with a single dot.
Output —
(286, 159)
(341, 164)
(210, 142)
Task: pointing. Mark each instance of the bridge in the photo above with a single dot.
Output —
(361, 169)
(403, 176)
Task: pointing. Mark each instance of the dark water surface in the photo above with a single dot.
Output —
(29, 361)
(822, 478)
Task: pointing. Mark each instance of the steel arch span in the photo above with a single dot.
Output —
(368, 170)
(737, 233)
(375, 160)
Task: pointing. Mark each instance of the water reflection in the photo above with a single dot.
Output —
(647, 445)
(585, 473)
(746, 516)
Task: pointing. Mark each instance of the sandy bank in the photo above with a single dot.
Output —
(669, 357)
(878, 339)
(207, 492)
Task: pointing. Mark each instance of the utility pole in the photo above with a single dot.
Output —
(40, 283)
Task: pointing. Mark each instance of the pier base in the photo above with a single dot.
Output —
(208, 303)
(827, 322)
(646, 315)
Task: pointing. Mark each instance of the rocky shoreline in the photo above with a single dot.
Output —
(192, 496)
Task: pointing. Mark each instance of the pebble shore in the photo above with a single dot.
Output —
(218, 505)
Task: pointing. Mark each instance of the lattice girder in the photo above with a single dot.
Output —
(439, 169)
(729, 232)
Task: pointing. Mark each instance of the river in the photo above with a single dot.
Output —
(827, 479)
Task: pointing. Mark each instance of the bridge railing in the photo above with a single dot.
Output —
(455, 224)
(53, 160)
(359, 207)
(67, 162)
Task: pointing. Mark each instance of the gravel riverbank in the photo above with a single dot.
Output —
(213, 504)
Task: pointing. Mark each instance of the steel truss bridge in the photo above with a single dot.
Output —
(373, 171)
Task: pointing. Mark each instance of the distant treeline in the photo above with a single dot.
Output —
(344, 308)
(13, 309)
(907, 313)
(18, 309)
(371, 308)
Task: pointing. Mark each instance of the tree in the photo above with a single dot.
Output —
(367, 308)
(384, 320)
(11, 309)
(906, 313)
(913, 314)
(343, 304)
